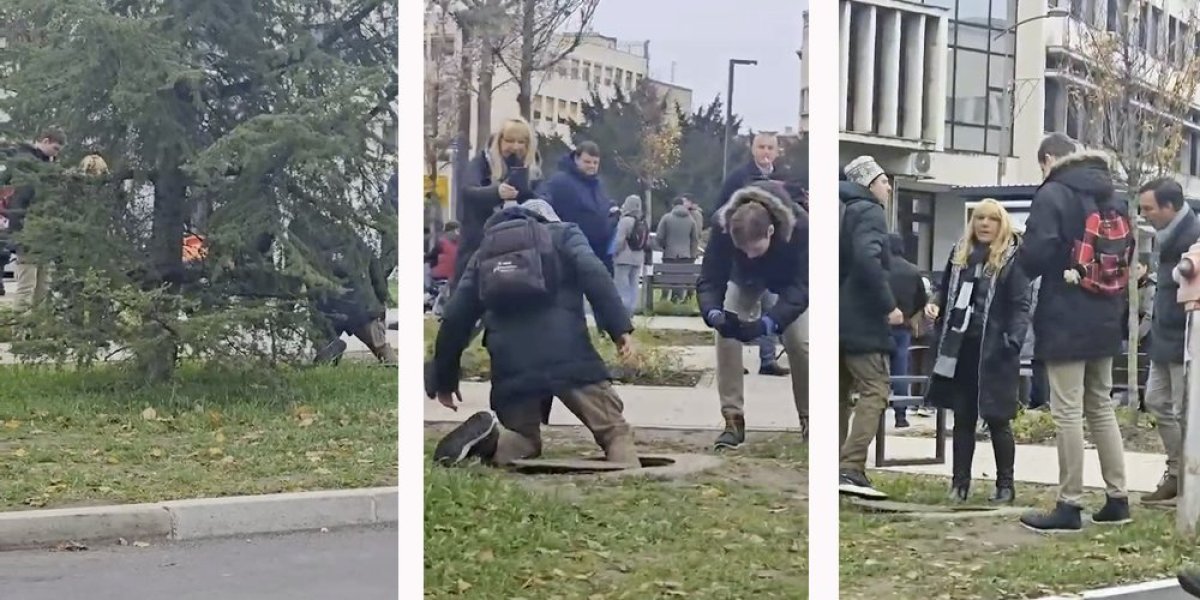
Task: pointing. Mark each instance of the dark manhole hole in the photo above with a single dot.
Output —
(595, 464)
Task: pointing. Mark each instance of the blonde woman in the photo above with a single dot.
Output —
(507, 171)
(93, 165)
(982, 312)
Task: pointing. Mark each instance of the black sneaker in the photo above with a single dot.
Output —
(1115, 512)
(1189, 580)
(901, 420)
(804, 429)
(774, 370)
(1064, 518)
(855, 483)
(475, 437)
(331, 353)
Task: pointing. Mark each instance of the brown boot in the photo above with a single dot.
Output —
(620, 449)
(1168, 490)
(734, 434)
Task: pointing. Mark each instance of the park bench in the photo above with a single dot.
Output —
(670, 276)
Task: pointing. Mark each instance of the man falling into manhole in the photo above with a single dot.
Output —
(527, 282)
(759, 243)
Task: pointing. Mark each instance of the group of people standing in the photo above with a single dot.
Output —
(1076, 256)
(534, 250)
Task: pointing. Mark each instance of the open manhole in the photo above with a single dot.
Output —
(669, 465)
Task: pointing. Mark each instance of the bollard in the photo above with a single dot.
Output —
(1187, 510)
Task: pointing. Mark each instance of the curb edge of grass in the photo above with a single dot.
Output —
(202, 518)
(1162, 589)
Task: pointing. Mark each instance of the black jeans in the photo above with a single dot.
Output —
(966, 414)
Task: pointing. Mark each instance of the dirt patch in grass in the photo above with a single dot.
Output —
(656, 364)
(96, 437)
(895, 557)
(733, 532)
(1036, 427)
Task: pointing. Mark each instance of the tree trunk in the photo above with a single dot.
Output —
(431, 117)
(166, 258)
(483, 107)
(464, 90)
(525, 76)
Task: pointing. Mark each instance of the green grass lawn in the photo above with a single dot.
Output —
(895, 558)
(84, 438)
(737, 532)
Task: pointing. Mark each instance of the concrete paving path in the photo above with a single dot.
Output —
(1035, 464)
(359, 564)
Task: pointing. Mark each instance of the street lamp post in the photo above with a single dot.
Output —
(733, 62)
(1010, 92)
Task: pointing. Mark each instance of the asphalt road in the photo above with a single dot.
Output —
(340, 565)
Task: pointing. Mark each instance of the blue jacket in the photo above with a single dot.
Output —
(581, 199)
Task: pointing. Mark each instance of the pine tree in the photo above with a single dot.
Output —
(263, 125)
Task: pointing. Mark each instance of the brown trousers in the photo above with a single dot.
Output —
(865, 376)
(596, 405)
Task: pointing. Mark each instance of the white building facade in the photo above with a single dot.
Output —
(939, 90)
(598, 65)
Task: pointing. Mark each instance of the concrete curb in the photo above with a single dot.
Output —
(1165, 589)
(201, 518)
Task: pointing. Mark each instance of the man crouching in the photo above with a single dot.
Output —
(527, 282)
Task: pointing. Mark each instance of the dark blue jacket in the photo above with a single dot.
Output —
(580, 199)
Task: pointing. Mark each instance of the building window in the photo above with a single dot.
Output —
(587, 71)
(574, 111)
(619, 75)
(562, 112)
(608, 76)
(596, 73)
(980, 69)
(537, 108)
(629, 80)
(575, 69)
(1050, 119)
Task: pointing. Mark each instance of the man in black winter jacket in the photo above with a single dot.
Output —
(536, 354)
(908, 286)
(758, 244)
(868, 312)
(764, 151)
(15, 201)
(1077, 332)
(1162, 204)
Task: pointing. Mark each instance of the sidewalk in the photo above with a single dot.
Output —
(769, 407)
(663, 322)
(1035, 464)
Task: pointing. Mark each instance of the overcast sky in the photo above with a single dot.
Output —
(700, 36)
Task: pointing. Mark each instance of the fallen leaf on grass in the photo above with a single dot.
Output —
(313, 456)
(156, 452)
(112, 460)
(149, 414)
(215, 452)
(219, 437)
(13, 424)
(228, 460)
(463, 586)
(20, 453)
(485, 556)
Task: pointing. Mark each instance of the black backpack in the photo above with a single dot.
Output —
(517, 261)
(639, 235)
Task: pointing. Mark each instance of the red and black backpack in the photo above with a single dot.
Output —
(1105, 253)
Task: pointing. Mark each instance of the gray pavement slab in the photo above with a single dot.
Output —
(357, 563)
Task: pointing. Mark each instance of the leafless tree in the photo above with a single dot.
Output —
(1134, 84)
(547, 32)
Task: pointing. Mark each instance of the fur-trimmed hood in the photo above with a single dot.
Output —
(781, 208)
(1088, 172)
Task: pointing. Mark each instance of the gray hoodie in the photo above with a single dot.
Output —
(678, 235)
(623, 254)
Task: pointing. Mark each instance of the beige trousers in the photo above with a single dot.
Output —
(730, 377)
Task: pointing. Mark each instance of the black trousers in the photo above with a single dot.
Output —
(966, 414)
